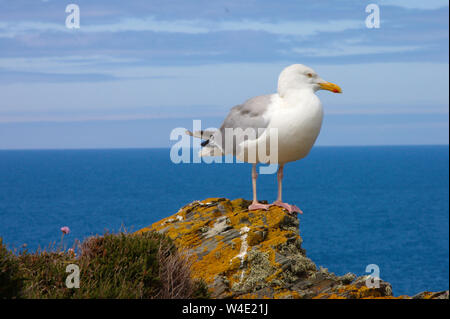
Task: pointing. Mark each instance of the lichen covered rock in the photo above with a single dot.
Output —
(257, 254)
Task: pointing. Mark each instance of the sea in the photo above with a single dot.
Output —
(386, 206)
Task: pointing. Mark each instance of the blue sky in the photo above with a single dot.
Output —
(137, 69)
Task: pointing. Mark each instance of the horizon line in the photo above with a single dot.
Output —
(168, 147)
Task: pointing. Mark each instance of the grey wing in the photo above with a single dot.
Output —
(249, 115)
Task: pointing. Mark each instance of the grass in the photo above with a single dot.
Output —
(119, 265)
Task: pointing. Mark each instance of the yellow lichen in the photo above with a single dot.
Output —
(193, 228)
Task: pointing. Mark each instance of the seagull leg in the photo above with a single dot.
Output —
(279, 201)
(255, 204)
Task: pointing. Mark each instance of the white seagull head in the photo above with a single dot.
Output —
(298, 76)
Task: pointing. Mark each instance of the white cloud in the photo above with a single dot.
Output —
(297, 28)
(416, 4)
(150, 24)
(348, 50)
(12, 29)
(59, 64)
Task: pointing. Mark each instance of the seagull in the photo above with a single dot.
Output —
(295, 113)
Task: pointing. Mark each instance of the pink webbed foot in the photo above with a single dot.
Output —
(256, 206)
(290, 208)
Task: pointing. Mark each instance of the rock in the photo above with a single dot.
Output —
(258, 254)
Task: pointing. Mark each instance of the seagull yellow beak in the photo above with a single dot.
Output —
(330, 87)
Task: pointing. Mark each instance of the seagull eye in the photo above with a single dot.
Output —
(309, 75)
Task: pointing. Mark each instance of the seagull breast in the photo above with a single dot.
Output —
(298, 120)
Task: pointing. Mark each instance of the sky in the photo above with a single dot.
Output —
(135, 70)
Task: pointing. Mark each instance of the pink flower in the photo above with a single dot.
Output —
(65, 230)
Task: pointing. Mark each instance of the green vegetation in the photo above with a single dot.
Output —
(10, 281)
(120, 265)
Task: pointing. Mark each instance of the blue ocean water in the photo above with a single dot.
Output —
(387, 206)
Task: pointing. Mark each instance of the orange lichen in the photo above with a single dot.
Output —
(248, 296)
(219, 261)
(286, 294)
(221, 234)
(223, 260)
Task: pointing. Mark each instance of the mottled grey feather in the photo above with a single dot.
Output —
(250, 114)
